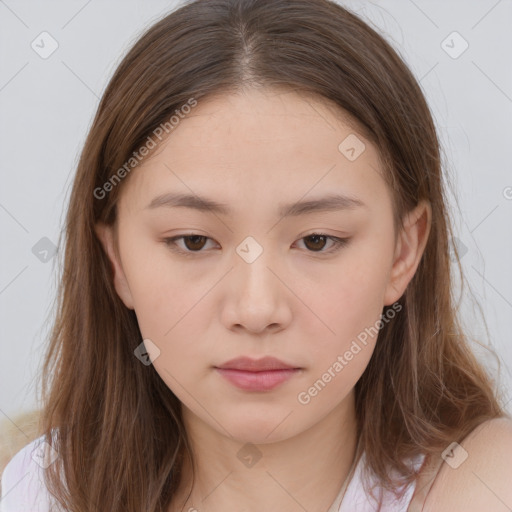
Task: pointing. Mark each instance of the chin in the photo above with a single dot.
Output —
(261, 428)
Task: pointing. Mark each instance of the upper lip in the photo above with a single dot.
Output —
(255, 365)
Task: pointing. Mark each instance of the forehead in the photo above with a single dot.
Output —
(257, 146)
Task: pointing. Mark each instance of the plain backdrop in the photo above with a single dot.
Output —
(460, 51)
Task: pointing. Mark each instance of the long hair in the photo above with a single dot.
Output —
(116, 426)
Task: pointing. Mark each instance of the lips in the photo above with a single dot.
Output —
(256, 374)
(255, 365)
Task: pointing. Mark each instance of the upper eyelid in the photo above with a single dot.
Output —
(318, 233)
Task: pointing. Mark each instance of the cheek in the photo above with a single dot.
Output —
(172, 315)
(165, 293)
(350, 298)
(352, 305)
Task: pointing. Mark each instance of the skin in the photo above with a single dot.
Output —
(482, 481)
(254, 151)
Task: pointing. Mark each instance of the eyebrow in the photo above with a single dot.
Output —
(335, 202)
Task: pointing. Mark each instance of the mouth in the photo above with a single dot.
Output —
(257, 374)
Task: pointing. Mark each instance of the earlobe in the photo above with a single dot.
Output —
(107, 238)
(410, 246)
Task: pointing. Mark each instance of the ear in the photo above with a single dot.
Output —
(108, 237)
(409, 249)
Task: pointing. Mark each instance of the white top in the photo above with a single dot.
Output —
(356, 499)
(23, 488)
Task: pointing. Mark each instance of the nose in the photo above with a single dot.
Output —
(257, 298)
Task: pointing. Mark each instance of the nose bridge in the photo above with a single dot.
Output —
(256, 294)
(254, 260)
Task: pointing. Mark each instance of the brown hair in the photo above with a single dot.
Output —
(119, 429)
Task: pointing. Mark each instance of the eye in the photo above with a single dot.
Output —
(316, 241)
(195, 243)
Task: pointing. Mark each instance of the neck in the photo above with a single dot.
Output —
(304, 472)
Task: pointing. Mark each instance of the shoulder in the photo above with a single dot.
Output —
(22, 483)
(477, 474)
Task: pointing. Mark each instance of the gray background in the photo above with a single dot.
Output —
(47, 106)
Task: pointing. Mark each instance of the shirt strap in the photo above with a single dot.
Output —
(428, 474)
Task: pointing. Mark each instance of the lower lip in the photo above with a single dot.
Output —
(257, 381)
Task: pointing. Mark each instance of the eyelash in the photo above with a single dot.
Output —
(338, 243)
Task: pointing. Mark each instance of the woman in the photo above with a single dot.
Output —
(255, 310)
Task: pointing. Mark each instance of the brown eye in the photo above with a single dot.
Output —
(197, 242)
(191, 244)
(317, 242)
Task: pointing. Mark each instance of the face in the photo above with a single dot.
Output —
(253, 279)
